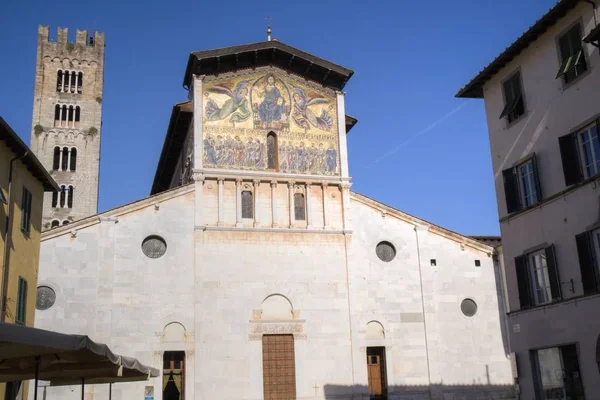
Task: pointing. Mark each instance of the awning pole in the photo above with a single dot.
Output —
(82, 387)
(110, 391)
(37, 372)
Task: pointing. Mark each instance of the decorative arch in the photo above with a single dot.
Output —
(272, 152)
(374, 330)
(174, 332)
(277, 307)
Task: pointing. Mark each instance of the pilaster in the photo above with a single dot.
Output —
(198, 106)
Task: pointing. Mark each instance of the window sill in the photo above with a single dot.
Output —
(555, 304)
(566, 86)
(509, 125)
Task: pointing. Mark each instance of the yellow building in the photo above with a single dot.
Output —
(23, 181)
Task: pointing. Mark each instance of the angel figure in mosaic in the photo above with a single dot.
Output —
(304, 117)
(235, 106)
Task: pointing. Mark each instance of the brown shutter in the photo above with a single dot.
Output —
(589, 278)
(511, 192)
(523, 282)
(536, 177)
(570, 159)
(553, 273)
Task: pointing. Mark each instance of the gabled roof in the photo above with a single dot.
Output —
(474, 89)
(30, 160)
(274, 52)
(181, 117)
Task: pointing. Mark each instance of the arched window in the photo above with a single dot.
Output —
(59, 80)
(73, 163)
(57, 116)
(65, 159)
(71, 118)
(67, 78)
(56, 160)
(54, 199)
(77, 116)
(55, 223)
(70, 197)
(63, 117)
(247, 204)
(272, 156)
(299, 207)
(63, 194)
(80, 83)
(65, 222)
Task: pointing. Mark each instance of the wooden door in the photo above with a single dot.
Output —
(279, 370)
(376, 372)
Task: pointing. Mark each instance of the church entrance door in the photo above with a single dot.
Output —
(376, 372)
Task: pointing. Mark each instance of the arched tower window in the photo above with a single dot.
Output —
(63, 195)
(70, 197)
(67, 78)
(59, 80)
(63, 116)
(57, 116)
(77, 116)
(299, 207)
(56, 160)
(65, 159)
(80, 83)
(73, 161)
(65, 222)
(272, 152)
(247, 204)
(71, 117)
(55, 223)
(54, 199)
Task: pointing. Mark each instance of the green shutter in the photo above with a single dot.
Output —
(20, 312)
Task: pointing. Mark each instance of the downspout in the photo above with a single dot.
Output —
(423, 309)
(4, 292)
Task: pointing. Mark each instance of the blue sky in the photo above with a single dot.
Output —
(416, 147)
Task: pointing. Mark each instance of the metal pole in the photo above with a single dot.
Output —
(110, 391)
(37, 373)
(82, 387)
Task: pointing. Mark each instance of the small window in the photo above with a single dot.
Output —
(580, 154)
(59, 81)
(77, 117)
(299, 207)
(385, 251)
(433, 262)
(70, 197)
(589, 150)
(537, 278)
(154, 246)
(478, 263)
(468, 307)
(26, 210)
(588, 251)
(63, 195)
(65, 159)
(46, 297)
(522, 185)
(247, 204)
(558, 373)
(272, 162)
(57, 115)
(65, 222)
(21, 307)
(514, 104)
(55, 223)
(73, 160)
(80, 83)
(56, 159)
(572, 56)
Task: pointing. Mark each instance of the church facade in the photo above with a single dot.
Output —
(253, 272)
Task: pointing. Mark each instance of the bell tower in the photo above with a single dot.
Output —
(67, 121)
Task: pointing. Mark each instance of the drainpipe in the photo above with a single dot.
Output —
(4, 292)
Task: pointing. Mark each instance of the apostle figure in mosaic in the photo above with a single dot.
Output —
(302, 158)
(331, 157)
(209, 150)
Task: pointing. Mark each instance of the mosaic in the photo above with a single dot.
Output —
(240, 112)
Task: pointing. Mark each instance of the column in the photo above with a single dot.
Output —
(273, 204)
(255, 201)
(60, 108)
(76, 79)
(324, 186)
(220, 198)
(67, 119)
(69, 159)
(60, 156)
(345, 188)
(291, 199)
(343, 150)
(308, 206)
(64, 78)
(238, 198)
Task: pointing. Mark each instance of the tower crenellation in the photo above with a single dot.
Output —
(67, 120)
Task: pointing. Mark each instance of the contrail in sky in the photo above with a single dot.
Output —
(427, 129)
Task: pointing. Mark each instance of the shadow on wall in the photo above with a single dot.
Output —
(437, 391)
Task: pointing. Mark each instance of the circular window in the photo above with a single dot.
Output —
(154, 246)
(468, 307)
(46, 296)
(385, 251)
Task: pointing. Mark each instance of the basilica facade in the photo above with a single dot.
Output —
(253, 271)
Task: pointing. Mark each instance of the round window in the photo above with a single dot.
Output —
(385, 251)
(154, 246)
(46, 296)
(468, 307)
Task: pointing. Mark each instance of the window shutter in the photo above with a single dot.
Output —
(511, 192)
(536, 177)
(553, 273)
(570, 159)
(589, 279)
(523, 282)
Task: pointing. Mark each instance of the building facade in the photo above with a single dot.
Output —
(67, 121)
(23, 181)
(253, 272)
(541, 102)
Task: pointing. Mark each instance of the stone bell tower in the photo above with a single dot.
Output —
(67, 121)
